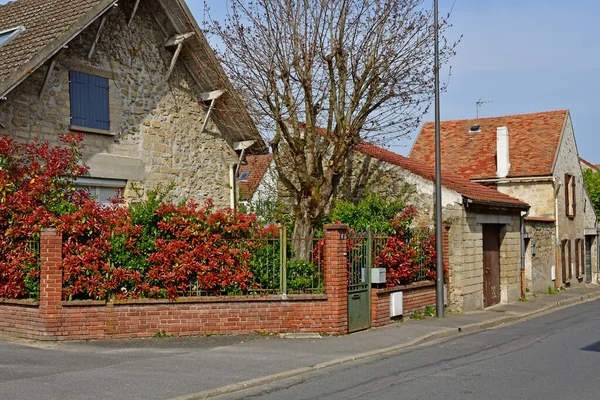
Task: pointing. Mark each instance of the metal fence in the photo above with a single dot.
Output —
(365, 250)
(279, 265)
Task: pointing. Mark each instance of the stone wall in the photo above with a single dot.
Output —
(465, 280)
(538, 194)
(538, 268)
(510, 260)
(154, 135)
(567, 162)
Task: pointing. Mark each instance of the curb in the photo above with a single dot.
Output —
(442, 334)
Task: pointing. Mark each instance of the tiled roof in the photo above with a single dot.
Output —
(533, 143)
(589, 164)
(46, 22)
(256, 167)
(474, 191)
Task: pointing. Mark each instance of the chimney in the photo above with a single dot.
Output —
(502, 155)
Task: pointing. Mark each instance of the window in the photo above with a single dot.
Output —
(9, 34)
(89, 101)
(244, 175)
(570, 199)
(102, 190)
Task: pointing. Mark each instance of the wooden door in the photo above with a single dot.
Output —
(491, 264)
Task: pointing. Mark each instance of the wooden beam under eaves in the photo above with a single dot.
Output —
(91, 53)
(47, 78)
(135, 7)
(176, 40)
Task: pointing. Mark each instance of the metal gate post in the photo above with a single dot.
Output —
(283, 260)
(369, 269)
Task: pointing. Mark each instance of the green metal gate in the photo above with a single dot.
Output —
(359, 250)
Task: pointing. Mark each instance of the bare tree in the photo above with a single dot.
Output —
(320, 76)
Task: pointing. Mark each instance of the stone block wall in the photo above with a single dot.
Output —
(465, 254)
(154, 122)
(539, 195)
(538, 268)
(510, 261)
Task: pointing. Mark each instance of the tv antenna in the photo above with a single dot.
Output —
(478, 105)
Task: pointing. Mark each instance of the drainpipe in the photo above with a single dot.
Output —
(523, 251)
(232, 186)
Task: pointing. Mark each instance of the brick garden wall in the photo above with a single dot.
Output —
(53, 319)
(415, 298)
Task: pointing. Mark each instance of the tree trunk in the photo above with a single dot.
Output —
(304, 226)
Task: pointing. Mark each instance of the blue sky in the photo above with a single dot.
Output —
(522, 55)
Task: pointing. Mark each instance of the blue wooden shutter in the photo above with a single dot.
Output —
(89, 101)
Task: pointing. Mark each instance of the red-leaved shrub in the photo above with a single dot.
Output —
(35, 188)
(409, 254)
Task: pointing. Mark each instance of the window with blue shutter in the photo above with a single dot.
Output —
(89, 101)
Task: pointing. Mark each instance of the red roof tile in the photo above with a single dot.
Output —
(256, 166)
(468, 189)
(589, 164)
(533, 143)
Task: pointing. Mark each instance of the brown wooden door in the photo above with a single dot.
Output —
(491, 264)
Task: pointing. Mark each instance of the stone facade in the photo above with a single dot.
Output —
(584, 222)
(546, 195)
(154, 135)
(538, 194)
(465, 285)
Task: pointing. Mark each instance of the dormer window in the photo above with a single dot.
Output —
(9, 34)
(475, 129)
(244, 175)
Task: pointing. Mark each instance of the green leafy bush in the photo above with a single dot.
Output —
(374, 211)
(302, 275)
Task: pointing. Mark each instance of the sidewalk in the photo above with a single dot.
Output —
(209, 366)
(327, 352)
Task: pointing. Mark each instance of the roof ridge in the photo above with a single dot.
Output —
(450, 180)
(499, 116)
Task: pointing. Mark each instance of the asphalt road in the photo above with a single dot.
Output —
(556, 356)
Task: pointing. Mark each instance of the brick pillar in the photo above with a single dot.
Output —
(336, 276)
(50, 282)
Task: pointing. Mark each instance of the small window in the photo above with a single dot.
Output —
(9, 34)
(89, 101)
(244, 175)
(570, 198)
(102, 190)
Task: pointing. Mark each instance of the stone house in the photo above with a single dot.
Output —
(139, 80)
(532, 157)
(257, 180)
(483, 225)
(585, 165)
